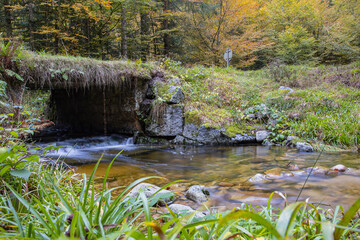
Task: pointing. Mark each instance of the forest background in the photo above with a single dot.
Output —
(191, 31)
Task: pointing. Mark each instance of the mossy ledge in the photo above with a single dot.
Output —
(43, 71)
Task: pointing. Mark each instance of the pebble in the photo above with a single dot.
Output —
(339, 168)
(259, 178)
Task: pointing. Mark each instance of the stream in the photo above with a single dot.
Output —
(224, 170)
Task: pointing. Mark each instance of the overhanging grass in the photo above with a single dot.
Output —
(49, 71)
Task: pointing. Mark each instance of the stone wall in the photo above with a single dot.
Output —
(146, 107)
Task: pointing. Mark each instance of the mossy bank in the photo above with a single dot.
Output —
(284, 104)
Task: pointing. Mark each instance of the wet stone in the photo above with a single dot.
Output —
(332, 173)
(259, 178)
(299, 173)
(197, 194)
(226, 184)
(339, 168)
(286, 174)
(317, 170)
(261, 135)
(184, 210)
(304, 147)
(352, 171)
(149, 190)
(274, 172)
(294, 167)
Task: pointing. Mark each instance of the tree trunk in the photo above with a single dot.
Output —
(145, 32)
(123, 33)
(31, 25)
(8, 21)
(166, 37)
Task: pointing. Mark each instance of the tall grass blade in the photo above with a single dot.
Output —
(108, 169)
(345, 221)
(115, 203)
(73, 224)
(157, 229)
(147, 213)
(63, 200)
(30, 208)
(244, 214)
(90, 182)
(327, 229)
(286, 220)
(16, 216)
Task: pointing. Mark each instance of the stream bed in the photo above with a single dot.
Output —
(224, 170)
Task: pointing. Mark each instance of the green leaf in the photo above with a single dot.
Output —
(21, 173)
(15, 134)
(4, 170)
(286, 220)
(16, 216)
(65, 76)
(12, 74)
(147, 212)
(244, 214)
(349, 215)
(328, 230)
(30, 207)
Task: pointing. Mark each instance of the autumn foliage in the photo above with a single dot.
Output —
(192, 31)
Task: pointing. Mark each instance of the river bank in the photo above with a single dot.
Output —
(311, 107)
(58, 204)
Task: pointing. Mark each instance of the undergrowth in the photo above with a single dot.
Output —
(323, 105)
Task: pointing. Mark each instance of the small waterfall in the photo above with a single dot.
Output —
(129, 141)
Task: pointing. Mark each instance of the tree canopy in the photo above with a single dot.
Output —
(191, 31)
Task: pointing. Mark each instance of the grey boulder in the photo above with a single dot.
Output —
(304, 147)
(183, 209)
(243, 139)
(261, 135)
(149, 190)
(176, 95)
(166, 123)
(197, 194)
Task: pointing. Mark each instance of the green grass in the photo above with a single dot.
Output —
(56, 204)
(324, 109)
(44, 71)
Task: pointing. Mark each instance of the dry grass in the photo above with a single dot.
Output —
(49, 72)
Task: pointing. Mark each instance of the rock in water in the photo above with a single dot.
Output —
(239, 139)
(197, 194)
(259, 178)
(182, 209)
(149, 190)
(304, 147)
(339, 168)
(261, 135)
(317, 170)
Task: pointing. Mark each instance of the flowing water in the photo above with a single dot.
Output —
(223, 169)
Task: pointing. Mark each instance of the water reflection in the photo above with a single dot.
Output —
(223, 169)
